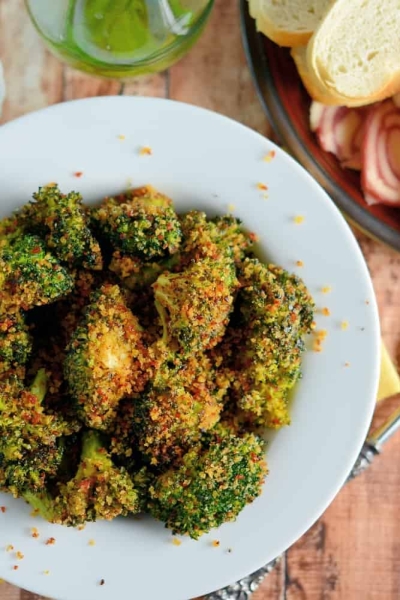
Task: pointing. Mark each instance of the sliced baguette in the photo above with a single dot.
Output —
(353, 57)
(288, 22)
(314, 86)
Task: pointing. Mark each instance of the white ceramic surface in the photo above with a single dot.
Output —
(206, 161)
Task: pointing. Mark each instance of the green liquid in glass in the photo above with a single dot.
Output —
(120, 38)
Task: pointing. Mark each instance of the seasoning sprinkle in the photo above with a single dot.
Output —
(81, 527)
(231, 207)
(92, 543)
(3, 509)
(176, 542)
(15, 568)
(145, 151)
(346, 364)
(51, 541)
(344, 325)
(46, 572)
(262, 187)
(34, 532)
(19, 555)
(269, 156)
(215, 543)
(299, 219)
(326, 312)
(121, 137)
(102, 581)
(299, 263)
(326, 289)
(78, 174)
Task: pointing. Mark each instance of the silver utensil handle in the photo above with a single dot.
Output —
(243, 589)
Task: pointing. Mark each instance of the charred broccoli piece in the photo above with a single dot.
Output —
(30, 275)
(106, 358)
(61, 220)
(195, 305)
(276, 312)
(29, 438)
(213, 484)
(15, 344)
(99, 490)
(140, 223)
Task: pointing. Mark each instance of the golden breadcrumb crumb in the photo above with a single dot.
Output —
(326, 289)
(262, 187)
(299, 263)
(19, 555)
(176, 542)
(344, 325)
(215, 543)
(326, 312)
(9, 548)
(299, 219)
(269, 156)
(92, 543)
(145, 151)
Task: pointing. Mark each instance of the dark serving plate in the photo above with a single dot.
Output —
(286, 104)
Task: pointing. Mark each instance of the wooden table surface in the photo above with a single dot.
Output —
(353, 551)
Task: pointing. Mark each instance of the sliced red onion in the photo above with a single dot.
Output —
(381, 154)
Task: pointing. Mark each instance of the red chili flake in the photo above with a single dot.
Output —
(51, 541)
(35, 250)
(3, 509)
(15, 567)
(253, 237)
(78, 173)
(262, 187)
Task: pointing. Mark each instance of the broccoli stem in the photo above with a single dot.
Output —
(91, 445)
(39, 385)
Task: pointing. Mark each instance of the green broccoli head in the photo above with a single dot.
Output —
(135, 274)
(61, 220)
(204, 238)
(140, 223)
(15, 343)
(195, 305)
(276, 312)
(212, 485)
(185, 399)
(29, 438)
(99, 490)
(30, 275)
(106, 358)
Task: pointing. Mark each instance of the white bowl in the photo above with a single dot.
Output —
(205, 161)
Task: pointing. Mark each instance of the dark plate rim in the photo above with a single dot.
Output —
(287, 134)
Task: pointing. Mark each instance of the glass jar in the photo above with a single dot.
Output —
(119, 38)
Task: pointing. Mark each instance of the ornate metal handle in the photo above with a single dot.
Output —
(243, 589)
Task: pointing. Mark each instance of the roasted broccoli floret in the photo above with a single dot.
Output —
(106, 358)
(213, 484)
(15, 343)
(134, 273)
(204, 238)
(61, 220)
(276, 312)
(99, 490)
(30, 275)
(185, 399)
(195, 305)
(29, 438)
(140, 223)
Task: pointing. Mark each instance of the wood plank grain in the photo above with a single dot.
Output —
(34, 78)
(215, 75)
(9, 592)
